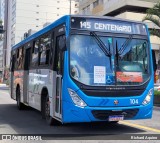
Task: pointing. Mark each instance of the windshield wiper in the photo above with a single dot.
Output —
(124, 45)
(117, 55)
(101, 44)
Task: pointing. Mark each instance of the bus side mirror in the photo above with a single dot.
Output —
(62, 43)
(154, 60)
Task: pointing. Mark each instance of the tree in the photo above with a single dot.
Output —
(153, 15)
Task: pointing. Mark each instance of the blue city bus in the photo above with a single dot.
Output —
(85, 69)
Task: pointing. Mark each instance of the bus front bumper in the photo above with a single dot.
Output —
(73, 114)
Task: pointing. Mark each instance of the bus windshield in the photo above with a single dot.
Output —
(126, 64)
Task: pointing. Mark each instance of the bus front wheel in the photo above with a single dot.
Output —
(46, 112)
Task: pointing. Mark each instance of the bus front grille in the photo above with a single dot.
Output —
(104, 114)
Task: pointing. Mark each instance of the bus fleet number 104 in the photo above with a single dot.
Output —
(134, 101)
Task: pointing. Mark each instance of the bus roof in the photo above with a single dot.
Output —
(64, 19)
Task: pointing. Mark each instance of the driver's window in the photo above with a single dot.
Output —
(59, 57)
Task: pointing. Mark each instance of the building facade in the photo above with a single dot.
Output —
(125, 9)
(23, 16)
(1, 37)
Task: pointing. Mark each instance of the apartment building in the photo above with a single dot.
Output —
(125, 9)
(23, 15)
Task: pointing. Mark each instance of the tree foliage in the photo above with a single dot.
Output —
(153, 15)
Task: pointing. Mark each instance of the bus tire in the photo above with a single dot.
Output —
(46, 112)
(18, 97)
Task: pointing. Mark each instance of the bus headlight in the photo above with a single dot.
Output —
(76, 99)
(148, 97)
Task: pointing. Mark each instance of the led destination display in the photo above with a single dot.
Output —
(107, 25)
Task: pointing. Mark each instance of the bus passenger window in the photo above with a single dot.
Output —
(45, 49)
(35, 53)
(17, 61)
(12, 65)
(20, 58)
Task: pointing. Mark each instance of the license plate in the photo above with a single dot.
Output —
(116, 118)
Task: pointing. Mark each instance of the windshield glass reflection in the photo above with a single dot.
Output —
(127, 65)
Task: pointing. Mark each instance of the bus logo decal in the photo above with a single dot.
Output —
(116, 102)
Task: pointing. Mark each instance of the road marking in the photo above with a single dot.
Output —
(140, 126)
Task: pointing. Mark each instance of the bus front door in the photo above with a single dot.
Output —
(59, 56)
(26, 75)
(58, 96)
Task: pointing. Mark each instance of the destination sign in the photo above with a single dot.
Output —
(107, 25)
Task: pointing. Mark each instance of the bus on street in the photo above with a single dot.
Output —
(85, 69)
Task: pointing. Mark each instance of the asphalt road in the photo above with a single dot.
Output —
(29, 121)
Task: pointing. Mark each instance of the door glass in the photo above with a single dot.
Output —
(59, 58)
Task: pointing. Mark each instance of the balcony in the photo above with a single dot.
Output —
(115, 7)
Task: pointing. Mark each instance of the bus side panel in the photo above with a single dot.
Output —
(45, 81)
(25, 87)
(53, 93)
(18, 81)
(13, 86)
(32, 87)
(39, 79)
